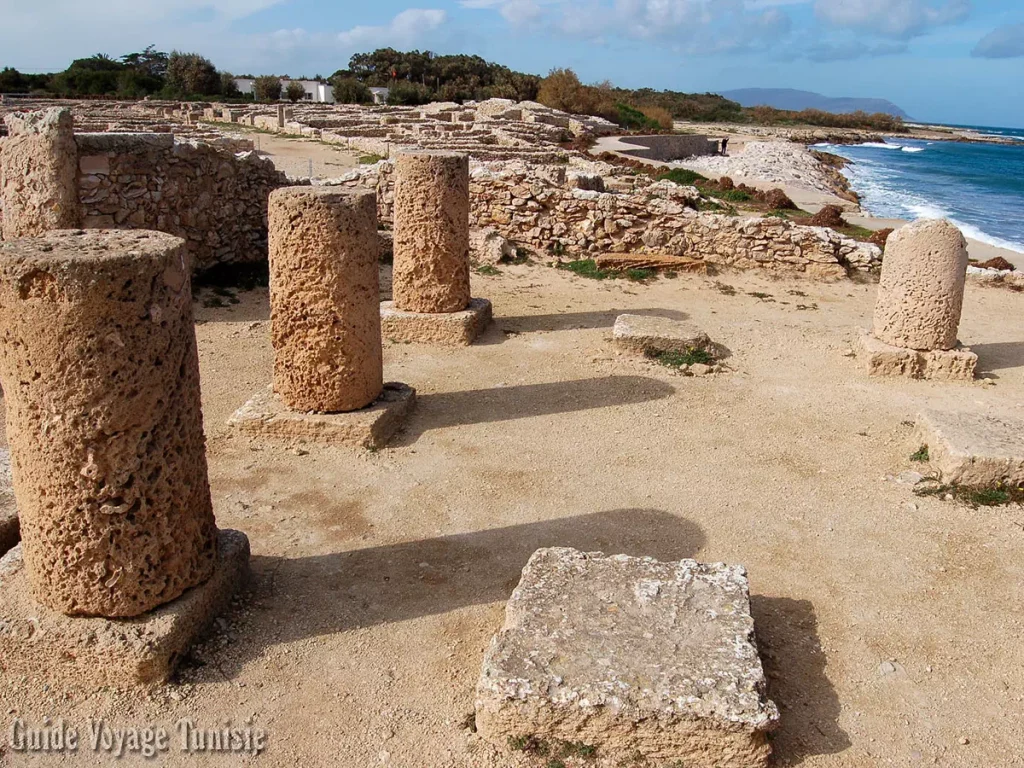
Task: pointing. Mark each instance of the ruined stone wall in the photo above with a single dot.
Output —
(665, 149)
(547, 209)
(213, 198)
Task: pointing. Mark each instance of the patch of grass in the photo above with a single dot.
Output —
(975, 497)
(921, 454)
(675, 359)
(761, 295)
(682, 176)
(555, 763)
(370, 159)
(488, 270)
(725, 288)
(531, 745)
(586, 268)
(640, 275)
(708, 205)
(734, 196)
(578, 749)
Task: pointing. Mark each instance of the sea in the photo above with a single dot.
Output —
(979, 187)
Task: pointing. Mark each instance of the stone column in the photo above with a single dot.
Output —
(101, 376)
(431, 238)
(325, 298)
(39, 174)
(921, 290)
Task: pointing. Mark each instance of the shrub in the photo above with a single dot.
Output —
(778, 200)
(190, 73)
(830, 216)
(228, 86)
(294, 91)
(682, 176)
(408, 94)
(659, 116)
(348, 90)
(267, 88)
(881, 237)
(562, 89)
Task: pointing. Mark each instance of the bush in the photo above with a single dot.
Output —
(778, 200)
(348, 90)
(294, 91)
(830, 216)
(267, 88)
(190, 73)
(682, 176)
(228, 86)
(659, 116)
(406, 94)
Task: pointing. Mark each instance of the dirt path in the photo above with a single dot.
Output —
(303, 158)
(889, 625)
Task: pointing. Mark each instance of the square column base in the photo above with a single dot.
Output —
(883, 359)
(978, 450)
(370, 427)
(37, 642)
(450, 329)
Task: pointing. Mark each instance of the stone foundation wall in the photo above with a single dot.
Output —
(213, 198)
(665, 149)
(547, 209)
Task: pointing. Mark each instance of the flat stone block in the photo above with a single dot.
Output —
(643, 334)
(36, 641)
(974, 449)
(883, 359)
(453, 329)
(370, 427)
(631, 656)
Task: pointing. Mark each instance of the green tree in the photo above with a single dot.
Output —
(348, 90)
(562, 89)
(190, 73)
(404, 93)
(294, 91)
(267, 88)
(96, 75)
(149, 62)
(228, 86)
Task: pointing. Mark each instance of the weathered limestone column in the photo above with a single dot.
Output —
(101, 378)
(39, 174)
(431, 238)
(921, 290)
(324, 298)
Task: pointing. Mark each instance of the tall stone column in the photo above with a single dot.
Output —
(39, 174)
(431, 237)
(101, 377)
(921, 290)
(325, 298)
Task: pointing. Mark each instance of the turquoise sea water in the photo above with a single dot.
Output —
(980, 187)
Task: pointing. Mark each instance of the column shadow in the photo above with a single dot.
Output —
(309, 597)
(794, 663)
(570, 321)
(479, 406)
(999, 356)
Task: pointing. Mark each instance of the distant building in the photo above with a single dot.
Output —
(316, 92)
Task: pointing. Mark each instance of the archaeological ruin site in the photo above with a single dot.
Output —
(473, 435)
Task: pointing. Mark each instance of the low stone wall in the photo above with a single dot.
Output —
(214, 199)
(665, 149)
(564, 211)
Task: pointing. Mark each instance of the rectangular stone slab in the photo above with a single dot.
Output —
(452, 329)
(93, 652)
(631, 656)
(884, 359)
(973, 449)
(371, 427)
(645, 333)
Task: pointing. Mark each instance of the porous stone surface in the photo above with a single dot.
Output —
(644, 333)
(264, 415)
(632, 656)
(101, 380)
(38, 174)
(324, 298)
(431, 266)
(41, 643)
(453, 329)
(883, 359)
(8, 508)
(980, 450)
(921, 290)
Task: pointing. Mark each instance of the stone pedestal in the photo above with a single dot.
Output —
(39, 174)
(324, 298)
(979, 450)
(642, 660)
(100, 373)
(431, 225)
(921, 290)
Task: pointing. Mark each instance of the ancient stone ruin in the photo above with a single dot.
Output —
(640, 659)
(101, 380)
(325, 324)
(917, 312)
(432, 301)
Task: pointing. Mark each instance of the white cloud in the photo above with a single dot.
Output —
(1002, 43)
(405, 30)
(901, 19)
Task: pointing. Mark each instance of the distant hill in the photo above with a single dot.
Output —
(788, 98)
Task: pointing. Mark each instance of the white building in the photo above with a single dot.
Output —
(319, 93)
(380, 95)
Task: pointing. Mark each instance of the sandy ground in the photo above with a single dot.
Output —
(302, 158)
(380, 577)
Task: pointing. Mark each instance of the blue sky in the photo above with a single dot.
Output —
(941, 60)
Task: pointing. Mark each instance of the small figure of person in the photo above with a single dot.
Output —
(725, 146)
